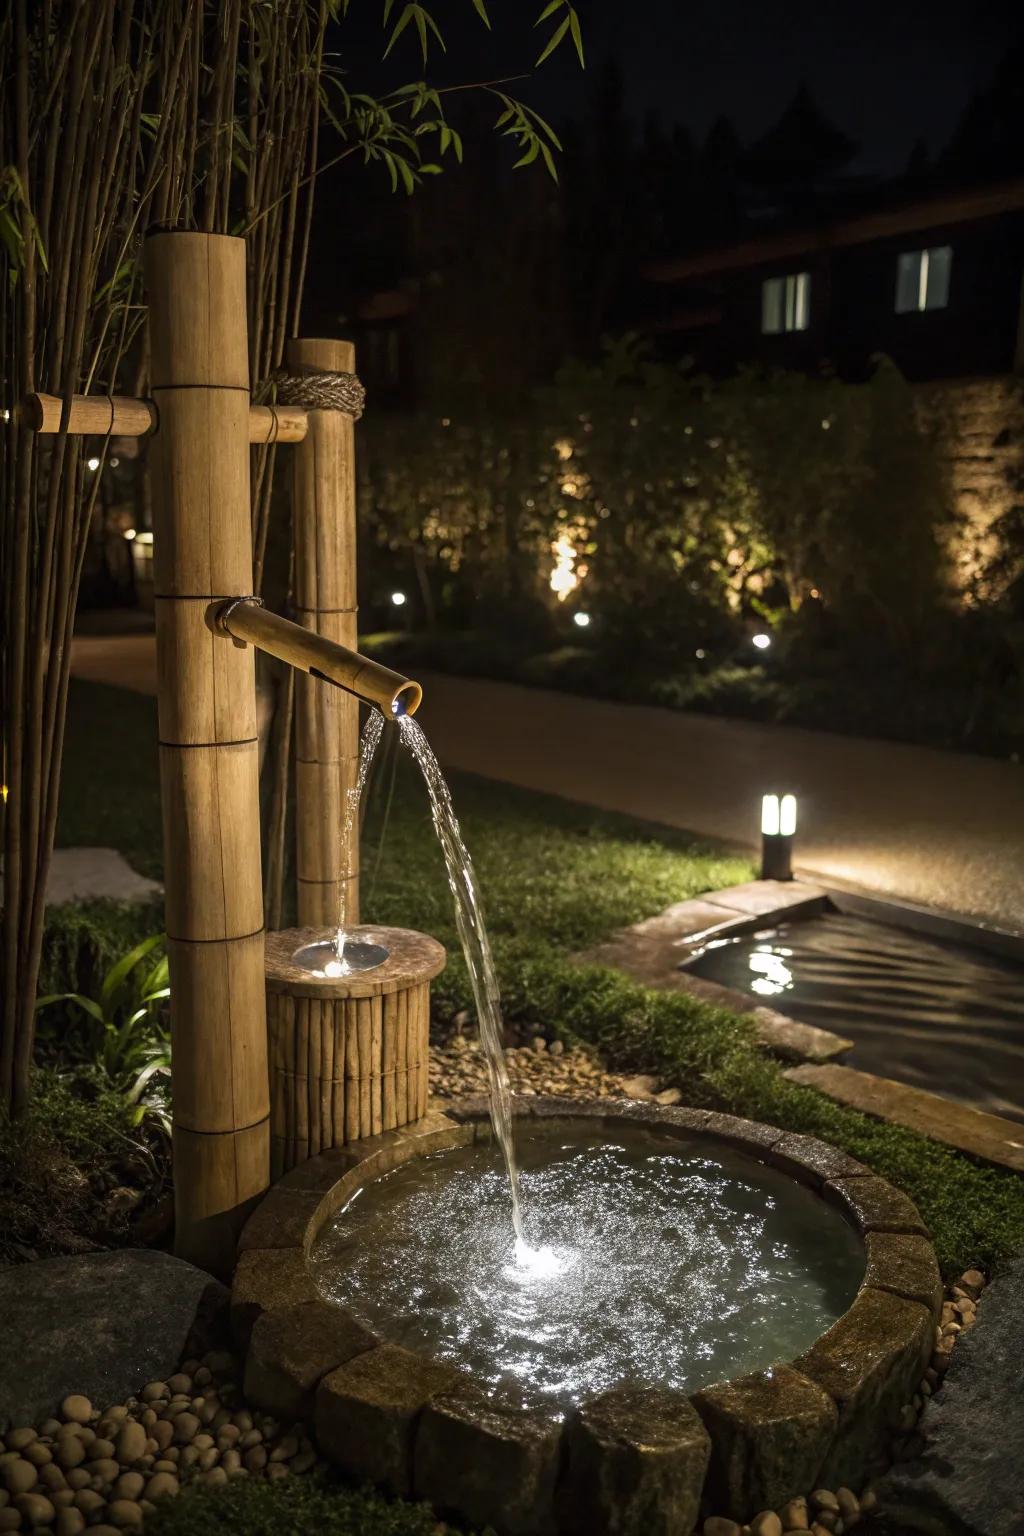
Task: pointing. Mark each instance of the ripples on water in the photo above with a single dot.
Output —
(937, 1016)
(659, 1260)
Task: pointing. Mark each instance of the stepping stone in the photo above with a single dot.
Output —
(969, 1479)
(84, 874)
(99, 1324)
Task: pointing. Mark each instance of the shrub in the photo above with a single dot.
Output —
(291, 1506)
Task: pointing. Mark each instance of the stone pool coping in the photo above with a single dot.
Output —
(422, 1428)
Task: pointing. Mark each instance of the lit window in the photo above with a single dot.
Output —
(922, 279)
(785, 303)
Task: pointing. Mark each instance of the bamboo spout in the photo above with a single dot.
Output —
(244, 619)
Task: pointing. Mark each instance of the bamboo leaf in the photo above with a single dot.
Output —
(577, 35)
(481, 10)
(554, 40)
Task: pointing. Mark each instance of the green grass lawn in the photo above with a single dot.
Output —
(556, 877)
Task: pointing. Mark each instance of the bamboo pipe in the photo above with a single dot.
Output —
(122, 416)
(244, 619)
(326, 719)
(209, 763)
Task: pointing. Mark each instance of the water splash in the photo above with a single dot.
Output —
(476, 946)
(368, 744)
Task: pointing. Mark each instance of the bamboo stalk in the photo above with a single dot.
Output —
(301, 1083)
(364, 1017)
(327, 722)
(338, 1083)
(313, 1076)
(388, 1060)
(423, 1078)
(123, 416)
(376, 1043)
(210, 783)
(289, 1027)
(326, 1071)
(352, 1069)
(319, 656)
(402, 1060)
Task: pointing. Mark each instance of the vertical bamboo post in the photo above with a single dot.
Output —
(208, 740)
(327, 720)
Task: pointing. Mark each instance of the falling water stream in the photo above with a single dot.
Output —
(476, 947)
(369, 742)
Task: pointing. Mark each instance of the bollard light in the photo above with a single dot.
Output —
(778, 826)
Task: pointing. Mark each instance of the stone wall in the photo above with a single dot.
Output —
(979, 428)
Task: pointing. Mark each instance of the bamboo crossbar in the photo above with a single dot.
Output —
(123, 416)
(323, 658)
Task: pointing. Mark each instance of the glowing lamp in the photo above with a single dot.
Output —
(582, 619)
(778, 827)
(398, 598)
(762, 641)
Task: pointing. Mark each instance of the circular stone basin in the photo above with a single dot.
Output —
(653, 1259)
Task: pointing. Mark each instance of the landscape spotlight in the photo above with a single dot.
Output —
(762, 641)
(398, 598)
(582, 619)
(778, 825)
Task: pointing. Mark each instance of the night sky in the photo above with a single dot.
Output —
(886, 71)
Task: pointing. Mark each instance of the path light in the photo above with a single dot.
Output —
(398, 598)
(762, 641)
(93, 464)
(582, 619)
(778, 826)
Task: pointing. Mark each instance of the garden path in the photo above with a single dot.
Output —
(944, 829)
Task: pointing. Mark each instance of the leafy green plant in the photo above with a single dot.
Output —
(293, 1506)
(122, 1033)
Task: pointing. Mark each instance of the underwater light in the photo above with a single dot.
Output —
(778, 827)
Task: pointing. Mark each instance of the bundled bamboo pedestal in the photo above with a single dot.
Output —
(348, 1054)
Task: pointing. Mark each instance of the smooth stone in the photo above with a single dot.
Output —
(92, 1326)
(19, 1475)
(35, 1509)
(794, 1515)
(718, 1525)
(69, 1522)
(162, 1485)
(69, 1451)
(19, 1439)
(186, 1427)
(131, 1442)
(76, 1409)
(124, 1513)
(129, 1485)
(767, 1523)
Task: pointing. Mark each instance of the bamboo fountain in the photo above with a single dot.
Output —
(347, 1054)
